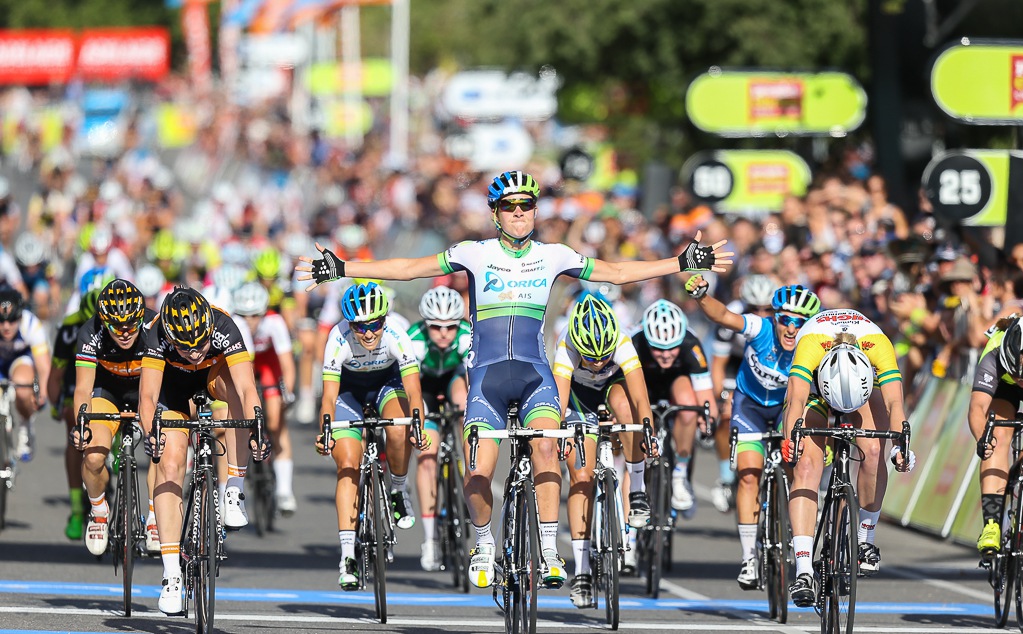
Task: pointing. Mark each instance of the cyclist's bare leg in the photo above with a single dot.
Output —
(722, 435)
(236, 441)
(749, 466)
(872, 475)
(277, 426)
(24, 373)
(621, 407)
(479, 496)
(170, 477)
(72, 457)
(994, 472)
(347, 455)
(426, 476)
(580, 492)
(684, 429)
(806, 477)
(459, 390)
(546, 470)
(94, 468)
(399, 450)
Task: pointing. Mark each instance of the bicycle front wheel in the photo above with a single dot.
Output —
(527, 558)
(126, 518)
(456, 532)
(610, 548)
(6, 466)
(381, 511)
(776, 546)
(1011, 546)
(841, 564)
(206, 543)
(659, 529)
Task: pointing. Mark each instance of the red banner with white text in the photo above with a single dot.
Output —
(113, 54)
(36, 57)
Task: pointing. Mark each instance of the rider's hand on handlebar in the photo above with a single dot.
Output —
(789, 452)
(153, 448)
(903, 466)
(425, 442)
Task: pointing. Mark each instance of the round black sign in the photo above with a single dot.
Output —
(958, 186)
(576, 164)
(710, 180)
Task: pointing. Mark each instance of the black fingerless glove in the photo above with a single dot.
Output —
(328, 268)
(696, 258)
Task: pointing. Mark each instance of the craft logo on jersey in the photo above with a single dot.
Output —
(495, 283)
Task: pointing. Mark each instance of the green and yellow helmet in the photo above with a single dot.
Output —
(187, 318)
(593, 328)
(267, 263)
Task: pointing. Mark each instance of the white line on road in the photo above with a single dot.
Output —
(755, 621)
(679, 626)
(905, 573)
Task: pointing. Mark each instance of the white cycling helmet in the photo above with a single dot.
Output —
(664, 325)
(845, 378)
(29, 250)
(102, 239)
(251, 299)
(150, 280)
(229, 277)
(219, 297)
(442, 304)
(757, 290)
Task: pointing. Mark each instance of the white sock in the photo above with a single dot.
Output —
(868, 522)
(236, 481)
(748, 540)
(581, 554)
(99, 505)
(429, 527)
(483, 534)
(548, 535)
(636, 471)
(347, 539)
(398, 483)
(803, 546)
(170, 554)
(682, 466)
(283, 470)
(151, 518)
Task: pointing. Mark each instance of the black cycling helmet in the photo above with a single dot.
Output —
(11, 305)
(187, 318)
(1011, 349)
(121, 305)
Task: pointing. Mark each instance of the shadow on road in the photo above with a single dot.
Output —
(951, 620)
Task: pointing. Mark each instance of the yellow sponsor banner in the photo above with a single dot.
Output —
(747, 103)
(742, 181)
(175, 126)
(51, 127)
(339, 119)
(980, 82)
(375, 78)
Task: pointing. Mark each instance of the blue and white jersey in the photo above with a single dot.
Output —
(764, 373)
(344, 358)
(508, 294)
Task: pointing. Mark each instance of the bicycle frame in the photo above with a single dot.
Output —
(452, 527)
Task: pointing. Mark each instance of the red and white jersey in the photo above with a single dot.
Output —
(272, 335)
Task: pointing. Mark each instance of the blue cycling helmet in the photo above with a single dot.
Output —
(94, 280)
(796, 299)
(364, 302)
(512, 183)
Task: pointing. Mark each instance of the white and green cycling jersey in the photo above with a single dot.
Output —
(508, 294)
(432, 360)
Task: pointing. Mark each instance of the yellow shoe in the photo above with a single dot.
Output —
(990, 541)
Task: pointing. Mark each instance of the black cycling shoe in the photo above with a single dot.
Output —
(870, 560)
(639, 509)
(582, 591)
(801, 591)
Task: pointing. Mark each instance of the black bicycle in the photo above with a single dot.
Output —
(519, 569)
(261, 482)
(835, 542)
(202, 527)
(8, 461)
(374, 529)
(608, 529)
(774, 535)
(452, 514)
(1005, 568)
(127, 539)
(655, 541)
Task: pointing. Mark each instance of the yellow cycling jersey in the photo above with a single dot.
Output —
(817, 335)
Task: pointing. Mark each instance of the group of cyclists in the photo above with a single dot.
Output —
(778, 358)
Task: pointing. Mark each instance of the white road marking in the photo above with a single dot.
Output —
(905, 573)
(754, 621)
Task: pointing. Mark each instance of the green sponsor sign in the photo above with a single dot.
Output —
(375, 77)
(980, 82)
(972, 186)
(751, 181)
(743, 104)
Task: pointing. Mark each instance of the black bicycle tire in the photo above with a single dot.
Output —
(126, 521)
(1014, 564)
(780, 544)
(765, 521)
(5, 463)
(843, 554)
(611, 550)
(459, 529)
(1002, 576)
(661, 532)
(530, 563)
(206, 586)
(380, 511)
(512, 547)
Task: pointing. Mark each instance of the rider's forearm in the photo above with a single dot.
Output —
(633, 271)
(398, 269)
(892, 395)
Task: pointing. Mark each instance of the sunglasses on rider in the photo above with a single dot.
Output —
(124, 331)
(442, 327)
(529, 204)
(595, 360)
(362, 327)
(788, 320)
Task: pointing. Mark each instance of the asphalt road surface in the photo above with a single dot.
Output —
(287, 580)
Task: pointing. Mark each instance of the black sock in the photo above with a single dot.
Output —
(992, 504)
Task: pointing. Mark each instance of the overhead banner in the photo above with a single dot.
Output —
(972, 186)
(491, 94)
(980, 82)
(746, 181)
(745, 103)
(376, 77)
(35, 57)
(114, 54)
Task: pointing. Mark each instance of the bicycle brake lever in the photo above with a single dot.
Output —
(474, 441)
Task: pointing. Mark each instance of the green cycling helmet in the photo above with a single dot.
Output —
(267, 263)
(593, 328)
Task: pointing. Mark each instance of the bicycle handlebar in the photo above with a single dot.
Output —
(986, 444)
(475, 433)
(257, 423)
(737, 437)
(848, 433)
(662, 410)
(82, 430)
(369, 423)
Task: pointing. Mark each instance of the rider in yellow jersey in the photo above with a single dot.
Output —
(840, 356)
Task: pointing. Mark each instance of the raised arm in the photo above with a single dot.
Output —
(715, 310)
(330, 267)
(695, 257)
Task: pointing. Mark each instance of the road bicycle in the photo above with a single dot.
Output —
(608, 529)
(202, 527)
(774, 535)
(8, 459)
(655, 541)
(127, 536)
(374, 523)
(519, 569)
(452, 514)
(261, 483)
(835, 541)
(1005, 568)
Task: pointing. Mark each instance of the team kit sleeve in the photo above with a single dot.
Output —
(401, 349)
(566, 358)
(457, 257)
(417, 335)
(987, 375)
(699, 371)
(626, 356)
(464, 340)
(571, 263)
(153, 357)
(336, 353)
(881, 353)
(88, 345)
(279, 335)
(752, 325)
(808, 355)
(235, 350)
(34, 334)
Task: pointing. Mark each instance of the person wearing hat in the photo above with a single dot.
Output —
(962, 322)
